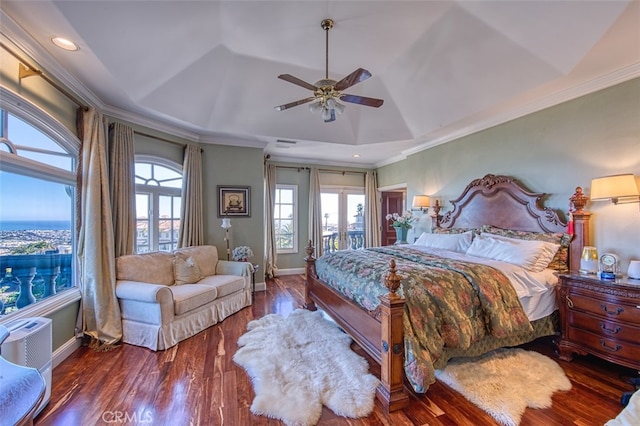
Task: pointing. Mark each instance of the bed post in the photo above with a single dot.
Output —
(581, 235)
(391, 389)
(310, 271)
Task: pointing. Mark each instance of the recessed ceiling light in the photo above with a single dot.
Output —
(64, 43)
(356, 155)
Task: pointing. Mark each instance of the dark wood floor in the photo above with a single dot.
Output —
(197, 383)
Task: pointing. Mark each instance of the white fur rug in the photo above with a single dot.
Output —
(300, 363)
(506, 381)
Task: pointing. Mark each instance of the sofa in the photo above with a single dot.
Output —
(167, 297)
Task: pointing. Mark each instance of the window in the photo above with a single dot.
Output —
(285, 217)
(158, 198)
(37, 193)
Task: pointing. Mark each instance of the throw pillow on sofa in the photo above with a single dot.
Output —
(186, 270)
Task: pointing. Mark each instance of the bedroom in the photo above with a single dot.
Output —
(552, 150)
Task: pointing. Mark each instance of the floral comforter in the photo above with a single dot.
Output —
(450, 303)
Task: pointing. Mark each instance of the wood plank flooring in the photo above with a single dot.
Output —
(197, 383)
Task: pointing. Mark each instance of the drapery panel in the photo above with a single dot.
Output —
(315, 211)
(122, 188)
(372, 236)
(96, 254)
(270, 252)
(192, 217)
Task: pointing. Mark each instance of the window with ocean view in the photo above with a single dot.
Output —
(158, 204)
(37, 190)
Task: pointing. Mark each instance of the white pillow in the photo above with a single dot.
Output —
(524, 256)
(453, 242)
(547, 250)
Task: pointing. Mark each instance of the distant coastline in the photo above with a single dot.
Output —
(35, 225)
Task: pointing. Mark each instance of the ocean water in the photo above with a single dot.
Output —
(29, 225)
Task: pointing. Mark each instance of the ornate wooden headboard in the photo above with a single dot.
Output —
(501, 201)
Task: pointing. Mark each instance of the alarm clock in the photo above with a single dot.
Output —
(609, 264)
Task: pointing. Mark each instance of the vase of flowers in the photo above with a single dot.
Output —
(402, 224)
(242, 253)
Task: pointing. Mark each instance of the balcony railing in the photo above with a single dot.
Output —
(355, 240)
(27, 279)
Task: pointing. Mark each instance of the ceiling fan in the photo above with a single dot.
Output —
(327, 91)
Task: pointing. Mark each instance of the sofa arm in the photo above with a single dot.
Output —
(144, 292)
(228, 267)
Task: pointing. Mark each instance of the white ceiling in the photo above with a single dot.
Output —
(206, 70)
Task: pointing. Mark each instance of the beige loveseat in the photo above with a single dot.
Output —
(167, 297)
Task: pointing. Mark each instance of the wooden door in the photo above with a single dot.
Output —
(392, 202)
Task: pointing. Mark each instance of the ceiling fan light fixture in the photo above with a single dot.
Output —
(315, 106)
(339, 108)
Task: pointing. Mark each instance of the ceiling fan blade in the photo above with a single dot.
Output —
(362, 100)
(297, 81)
(354, 78)
(294, 103)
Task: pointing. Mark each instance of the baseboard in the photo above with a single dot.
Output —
(261, 286)
(65, 350)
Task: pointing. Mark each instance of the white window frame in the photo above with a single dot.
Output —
(294, 188)
(154, 193)
(47, 124)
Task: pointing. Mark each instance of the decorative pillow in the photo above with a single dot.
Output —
(453, 242)
(547, 250)
(521, 255)
(436, 230)
(186, 270)
(560, 261)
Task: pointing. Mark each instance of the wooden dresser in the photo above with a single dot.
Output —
(601, 318)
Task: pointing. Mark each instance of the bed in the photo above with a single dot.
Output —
(407, 314)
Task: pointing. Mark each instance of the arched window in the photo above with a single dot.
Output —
(38, 157)
(158, 198)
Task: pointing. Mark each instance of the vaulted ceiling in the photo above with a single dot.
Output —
(207, 70)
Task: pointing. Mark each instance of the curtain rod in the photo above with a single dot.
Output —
(34, 71)
(147, 135)
(342, 172)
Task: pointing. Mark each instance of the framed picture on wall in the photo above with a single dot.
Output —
(234, 201)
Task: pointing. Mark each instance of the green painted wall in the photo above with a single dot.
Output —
(552, 151)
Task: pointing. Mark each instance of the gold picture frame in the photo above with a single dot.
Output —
(234, 201)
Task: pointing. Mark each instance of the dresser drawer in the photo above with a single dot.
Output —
(605, 346)
(603, 327)
(608, 309)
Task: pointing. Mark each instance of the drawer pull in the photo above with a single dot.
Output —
(603, 326)
(569, 302)
(617, 312)
(609, 348)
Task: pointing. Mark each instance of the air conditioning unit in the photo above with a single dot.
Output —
(30, 344)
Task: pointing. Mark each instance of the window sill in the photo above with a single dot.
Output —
(45, 307)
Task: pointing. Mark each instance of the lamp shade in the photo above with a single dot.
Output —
(614, 187)
(226, 223)
(420, 201)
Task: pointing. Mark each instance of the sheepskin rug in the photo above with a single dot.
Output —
(300, 363)
(505, 382)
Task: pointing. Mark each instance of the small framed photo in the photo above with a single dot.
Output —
(234, 201)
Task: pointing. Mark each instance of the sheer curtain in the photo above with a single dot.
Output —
(122, 188)
(271, 253)
(372, 210)
(96, 254)
(192, 218)
(315, 211)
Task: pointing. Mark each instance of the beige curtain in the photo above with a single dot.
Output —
(315, 212)
(270, 252)
(96, 255)
(192, 218)
(371, 211)
(123, 188)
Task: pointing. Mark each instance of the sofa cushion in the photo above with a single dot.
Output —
(206, 257)
(152, 268)
(226, 284)
(192, 296)
(186, 270)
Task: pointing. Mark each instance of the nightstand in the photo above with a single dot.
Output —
(600, 317)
